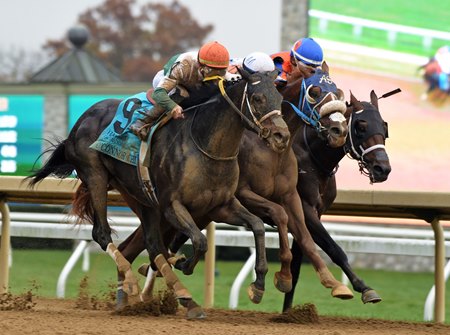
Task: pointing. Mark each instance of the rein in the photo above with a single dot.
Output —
(256, 125)
(304, 104)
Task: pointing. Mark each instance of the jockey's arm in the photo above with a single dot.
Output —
(161, 96)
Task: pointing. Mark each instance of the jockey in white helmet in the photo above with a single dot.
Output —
(252, 63)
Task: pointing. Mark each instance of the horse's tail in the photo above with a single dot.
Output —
(57, 165)
(82, 206)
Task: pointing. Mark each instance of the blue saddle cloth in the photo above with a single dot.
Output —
(117, 140)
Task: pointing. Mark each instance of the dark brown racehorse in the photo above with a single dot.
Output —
(193, 168)
(318, 163)
(267, 182)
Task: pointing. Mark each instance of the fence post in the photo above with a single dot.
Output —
(439, 276)
(210, 264)
(4, 248)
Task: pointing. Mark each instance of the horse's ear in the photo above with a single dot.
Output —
(325, 67)
(340, 94)
(243, 73)
(274, 74)
(374, 99)
(355, 102)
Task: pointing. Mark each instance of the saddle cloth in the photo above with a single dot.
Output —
(117, 140)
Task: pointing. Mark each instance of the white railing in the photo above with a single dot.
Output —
(391, 29)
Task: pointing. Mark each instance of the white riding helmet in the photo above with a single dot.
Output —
(258, 62)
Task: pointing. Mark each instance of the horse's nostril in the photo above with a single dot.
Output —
(281, 137)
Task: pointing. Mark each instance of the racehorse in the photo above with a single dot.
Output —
(268, 180)
(318, 163)
(431, 75)
(194, 172)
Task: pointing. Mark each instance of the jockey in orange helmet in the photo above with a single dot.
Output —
(305, 51)
(183, 71)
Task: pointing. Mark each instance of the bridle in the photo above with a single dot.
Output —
(354, 148)
(308, 107)
(254, 123)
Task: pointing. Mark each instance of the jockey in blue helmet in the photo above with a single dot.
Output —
(305, 51)
(308, 52)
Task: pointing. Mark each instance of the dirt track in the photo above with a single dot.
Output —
(61, 317)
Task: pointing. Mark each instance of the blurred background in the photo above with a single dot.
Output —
(379, 46)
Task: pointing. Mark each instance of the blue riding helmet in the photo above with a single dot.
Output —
(307, 51)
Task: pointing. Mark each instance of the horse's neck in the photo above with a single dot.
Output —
(217, 128)
(325, 158)
(292, 119)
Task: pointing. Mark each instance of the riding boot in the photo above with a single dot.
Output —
(141, 126)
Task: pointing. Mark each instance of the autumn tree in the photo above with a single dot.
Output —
(137, 40)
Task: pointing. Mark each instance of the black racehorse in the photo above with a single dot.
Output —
(193, 168)
(317, 164)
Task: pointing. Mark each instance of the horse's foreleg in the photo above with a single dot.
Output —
(338, 256)
(183, 222)
(235, 214)
(265, 208)
(194, 311)
(298, 228)
(296, 264)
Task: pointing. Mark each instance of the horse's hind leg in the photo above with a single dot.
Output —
(96, 205)
(237, 215)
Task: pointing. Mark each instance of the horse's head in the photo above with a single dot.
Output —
(320, 103)
(367, 136)
(261, 104)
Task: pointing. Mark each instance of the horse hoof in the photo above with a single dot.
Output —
(255, 294)
(282, 284)
(370, 296)
(342, 292)
(195, 313)
(194, 310)
(121, 300)
(143, 269)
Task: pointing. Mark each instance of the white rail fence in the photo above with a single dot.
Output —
(353, 238)
(392, 30)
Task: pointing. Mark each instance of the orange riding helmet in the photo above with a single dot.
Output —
(215, 55)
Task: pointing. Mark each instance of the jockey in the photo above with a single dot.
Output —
(305, 51)
(442, 57)
(252, 63)
(183, 71)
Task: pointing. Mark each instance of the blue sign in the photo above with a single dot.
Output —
(21, 126)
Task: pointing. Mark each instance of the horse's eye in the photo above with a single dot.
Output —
(360, 127)
(257, 98)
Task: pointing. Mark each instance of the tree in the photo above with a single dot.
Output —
(18, 65)
(137, 40)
